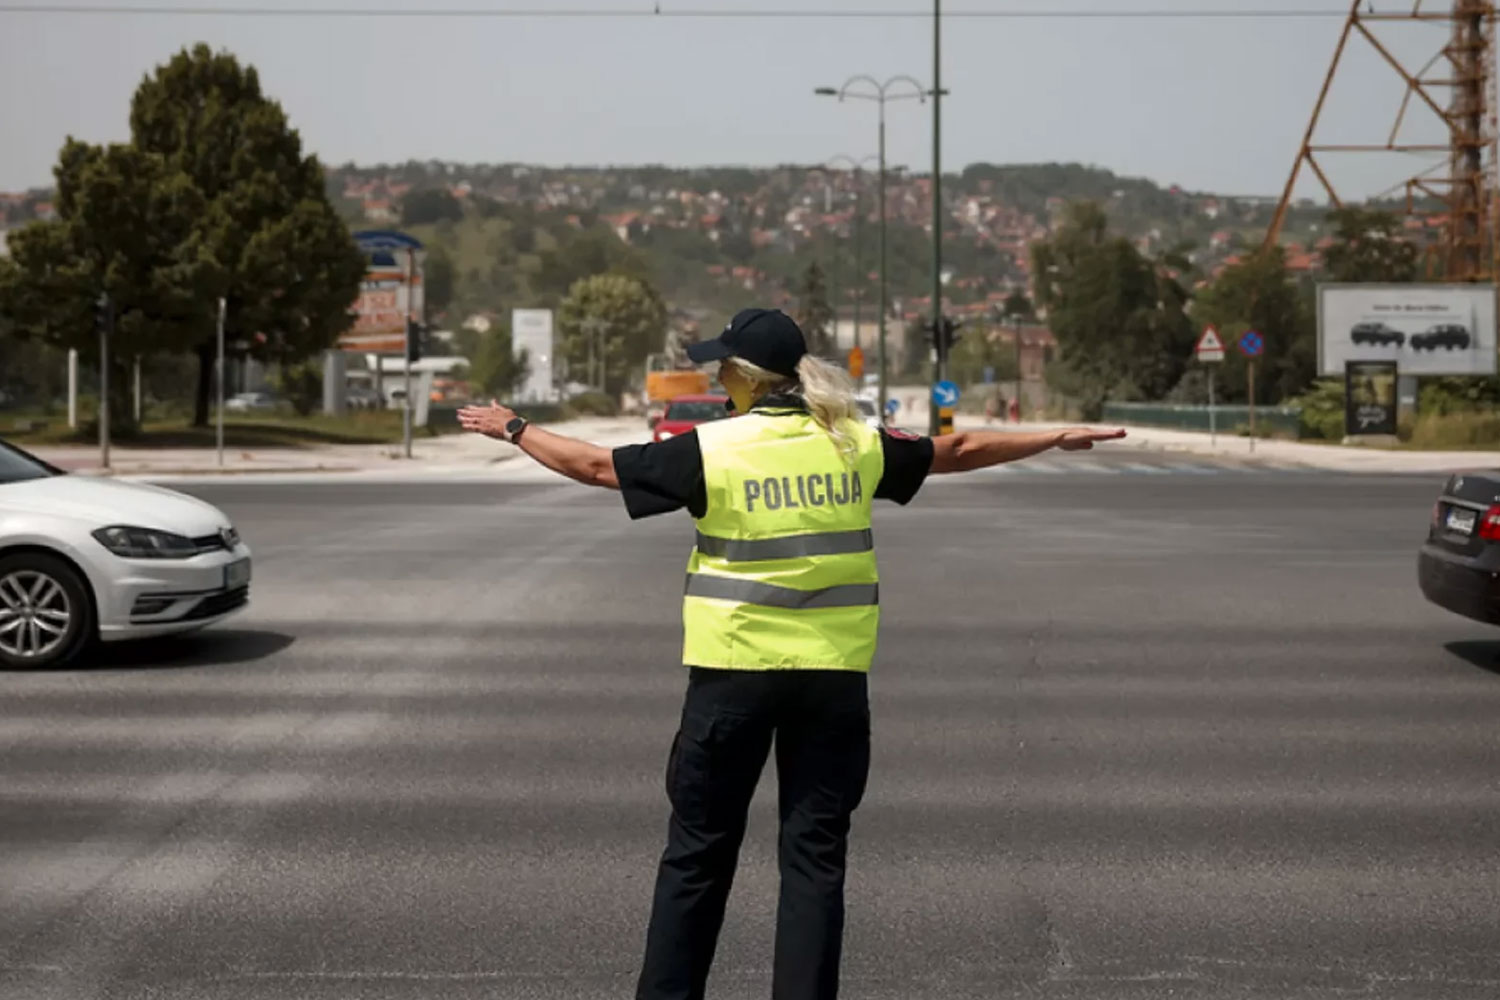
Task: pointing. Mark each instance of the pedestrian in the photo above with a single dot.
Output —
(779, 620)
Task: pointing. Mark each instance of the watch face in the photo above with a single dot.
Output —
(514, 424)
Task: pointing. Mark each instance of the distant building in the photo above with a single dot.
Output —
(380, 210)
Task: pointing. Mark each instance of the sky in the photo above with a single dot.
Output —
(1214, 104)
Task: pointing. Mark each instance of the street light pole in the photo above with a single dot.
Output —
(879, 93)
(106, 327)
(1019, 374)
(880, 304)
(940, 359)
(859, 275)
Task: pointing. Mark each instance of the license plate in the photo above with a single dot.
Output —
(1461, 520)
(237, 574)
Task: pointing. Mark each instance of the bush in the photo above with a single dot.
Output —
(302, 385)
(1323, 410)
(1457, 430)
(594, 404)
(1444, 396)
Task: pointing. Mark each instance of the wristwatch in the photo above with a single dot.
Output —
(513, 428)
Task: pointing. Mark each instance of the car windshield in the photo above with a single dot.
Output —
(696, 409)
(17, 467)
(866, 407)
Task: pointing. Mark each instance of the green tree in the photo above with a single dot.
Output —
(1119, 318)
(635, 324)
(1368, 247)
(494, 367)
(125, 229)
(591, 252)
(287, 266)
(814, 314)
(437, 278)
(430, 205)
(1018, 305)
(1259, 294)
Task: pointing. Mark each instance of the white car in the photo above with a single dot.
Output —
(85, 559)
(247, 402)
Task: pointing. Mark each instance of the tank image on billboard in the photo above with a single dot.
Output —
(1425, 329)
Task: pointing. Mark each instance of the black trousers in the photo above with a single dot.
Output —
(820, 721)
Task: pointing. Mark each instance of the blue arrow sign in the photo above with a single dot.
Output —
(1252, 344)
(892, 407)
(945, 393)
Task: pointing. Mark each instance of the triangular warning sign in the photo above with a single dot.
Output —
(1210, 341)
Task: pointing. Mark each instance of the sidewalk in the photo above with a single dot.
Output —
(1300, 454)
(450, 454)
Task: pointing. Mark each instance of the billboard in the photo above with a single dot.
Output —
(1370, 398)
(531, 331)
(386, 298)
(1425, 329)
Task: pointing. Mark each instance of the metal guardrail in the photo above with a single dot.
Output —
(1230, 419)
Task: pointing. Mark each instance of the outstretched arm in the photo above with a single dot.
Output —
(578, 460)
(968, 450)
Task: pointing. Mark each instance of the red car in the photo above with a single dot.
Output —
(686, 412)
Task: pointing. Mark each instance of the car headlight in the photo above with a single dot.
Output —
(129, 542)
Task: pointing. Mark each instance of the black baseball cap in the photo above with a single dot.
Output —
(765, 337)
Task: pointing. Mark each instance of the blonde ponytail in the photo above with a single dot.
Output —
(827, 389)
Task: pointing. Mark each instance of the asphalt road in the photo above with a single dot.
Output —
(1137, 736)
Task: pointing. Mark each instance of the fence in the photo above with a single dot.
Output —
(1276, 419)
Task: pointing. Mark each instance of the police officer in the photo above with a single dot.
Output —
(779, 620)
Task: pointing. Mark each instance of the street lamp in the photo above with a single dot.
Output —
(859, 274)
(871, 89)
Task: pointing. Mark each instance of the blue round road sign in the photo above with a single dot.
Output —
(945, 393)
(892, 407)
(1252, 344)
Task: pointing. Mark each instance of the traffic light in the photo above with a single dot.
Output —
(947, 334)
(416, 335)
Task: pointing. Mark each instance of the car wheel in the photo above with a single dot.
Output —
(46, 616)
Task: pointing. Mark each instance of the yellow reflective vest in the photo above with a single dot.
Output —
(783, 574)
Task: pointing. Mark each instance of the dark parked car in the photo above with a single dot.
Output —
(1458, 567)
(1449, 336)
(1376, 333)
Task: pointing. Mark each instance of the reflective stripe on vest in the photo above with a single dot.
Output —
(825, 543)
(783, 575)
(848, 595)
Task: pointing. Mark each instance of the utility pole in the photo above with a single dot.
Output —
(859, 276)
(106, 317)
(594, 329)
(1019, 374)
(940, 359)
(411, 291)
(219, 382)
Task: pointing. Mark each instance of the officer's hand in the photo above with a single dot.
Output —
(1082, 438)
(487, 420)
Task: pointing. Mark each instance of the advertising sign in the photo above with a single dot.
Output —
(531, 331)
(386, 298)
(1428, 329)
(1369, 397)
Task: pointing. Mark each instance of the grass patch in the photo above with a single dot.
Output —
(1455, 432)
